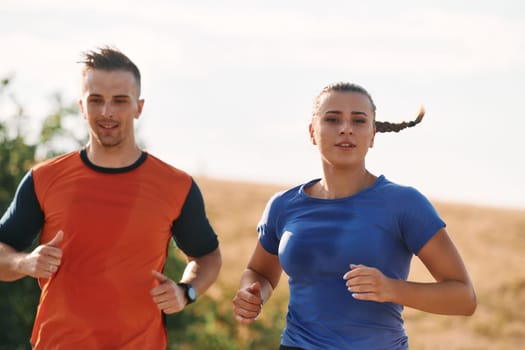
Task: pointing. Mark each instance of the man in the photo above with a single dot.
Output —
(106, 215)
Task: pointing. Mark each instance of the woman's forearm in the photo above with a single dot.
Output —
(249, 277)
(445, 297)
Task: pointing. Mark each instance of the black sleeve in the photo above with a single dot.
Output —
(22, 221)
(191, 231)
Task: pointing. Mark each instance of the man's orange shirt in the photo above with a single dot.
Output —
(116, 231)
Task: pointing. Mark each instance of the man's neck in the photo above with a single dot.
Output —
(112, 157)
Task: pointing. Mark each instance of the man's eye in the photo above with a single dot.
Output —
(95, 100)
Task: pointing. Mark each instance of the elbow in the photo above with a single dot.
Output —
(217, 256)
(470, 309)
(470, 304)
(219, 262)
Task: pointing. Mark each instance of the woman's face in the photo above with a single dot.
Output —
(343, 128)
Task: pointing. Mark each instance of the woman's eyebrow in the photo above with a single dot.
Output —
(340, 112)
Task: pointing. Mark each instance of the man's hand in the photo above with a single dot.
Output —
(168, 296)
(44, 260)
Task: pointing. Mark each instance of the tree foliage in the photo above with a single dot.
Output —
(15, 155)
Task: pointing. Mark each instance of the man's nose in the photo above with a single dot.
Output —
(106, 109)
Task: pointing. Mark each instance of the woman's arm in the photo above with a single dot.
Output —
(451, 294)
(257, 284)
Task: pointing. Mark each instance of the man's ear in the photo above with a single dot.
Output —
(140, 105)
(81, 108)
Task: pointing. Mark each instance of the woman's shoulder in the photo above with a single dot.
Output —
(294, 191)
(397, 192)
(288, 195)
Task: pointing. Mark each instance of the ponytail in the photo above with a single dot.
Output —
(396, 127)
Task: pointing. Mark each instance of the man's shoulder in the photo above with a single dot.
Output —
(162, 167)
(61, 160)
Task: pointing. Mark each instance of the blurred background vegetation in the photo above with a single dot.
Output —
(207, 324)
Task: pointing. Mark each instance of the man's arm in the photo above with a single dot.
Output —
(193, 235)
(203, 271)
(19, 226)
(9, 259)
(42, 262)
(197, 239)
(199, 272)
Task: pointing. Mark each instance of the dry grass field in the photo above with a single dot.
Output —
(491, 241)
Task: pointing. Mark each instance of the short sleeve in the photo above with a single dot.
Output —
(419, 220)
(267, 227)
(23, 219)
(192, 231)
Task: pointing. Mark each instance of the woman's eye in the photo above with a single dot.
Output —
(331, 119)
(359, 121)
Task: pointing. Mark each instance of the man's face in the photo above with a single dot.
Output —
(109, 104)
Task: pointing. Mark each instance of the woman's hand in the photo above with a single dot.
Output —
(247, 303)
(368, 283)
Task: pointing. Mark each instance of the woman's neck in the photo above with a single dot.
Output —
(339, 184)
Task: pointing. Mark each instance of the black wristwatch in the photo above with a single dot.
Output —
(189, 291)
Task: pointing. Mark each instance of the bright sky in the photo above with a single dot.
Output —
(229, 85)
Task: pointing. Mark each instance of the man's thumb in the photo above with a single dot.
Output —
(57, 239)
(159, 276)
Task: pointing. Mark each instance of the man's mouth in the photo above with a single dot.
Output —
(108, 125)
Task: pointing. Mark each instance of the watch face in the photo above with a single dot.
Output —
(192, 293)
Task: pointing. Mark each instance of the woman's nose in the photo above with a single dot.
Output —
(346, 127)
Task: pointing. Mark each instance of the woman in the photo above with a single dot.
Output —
(346, 241)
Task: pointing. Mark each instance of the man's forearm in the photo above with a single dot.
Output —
(203, 271)
(9, 259)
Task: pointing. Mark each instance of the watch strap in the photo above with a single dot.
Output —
(189, 292)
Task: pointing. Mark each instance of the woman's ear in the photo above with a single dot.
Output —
(312, 134)
(373, 138)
